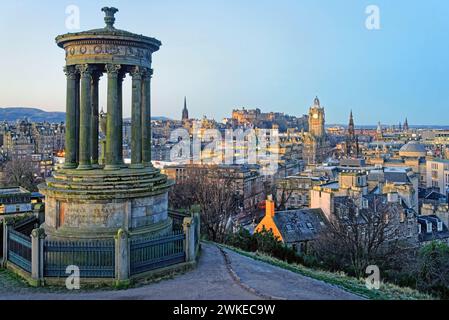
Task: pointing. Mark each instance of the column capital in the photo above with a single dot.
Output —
(147, 73)
(70, 72)
(137, 72)
(85, 70)
(113, 69)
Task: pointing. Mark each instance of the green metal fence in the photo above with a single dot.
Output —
(157, 252)
(19, 250)
(1, 238)
(95, 259)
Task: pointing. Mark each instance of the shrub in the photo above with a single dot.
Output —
(265, 242)
(432, 269)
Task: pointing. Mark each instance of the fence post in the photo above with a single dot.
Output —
(122, 258)
(37, 256)
(197, 231)
(6, 226)
(188, 227)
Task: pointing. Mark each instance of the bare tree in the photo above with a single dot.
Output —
(283, 190)
(357, 237)
(215, 194)
(20, 172)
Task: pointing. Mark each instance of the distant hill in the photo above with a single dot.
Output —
(33, 114)
(12, 114)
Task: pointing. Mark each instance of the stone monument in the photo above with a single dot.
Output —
(86, 199)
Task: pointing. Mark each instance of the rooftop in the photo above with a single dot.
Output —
(13, 191)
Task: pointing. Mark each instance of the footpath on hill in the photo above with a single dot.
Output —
(220, 275)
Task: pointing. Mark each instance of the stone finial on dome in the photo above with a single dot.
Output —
(109, 18)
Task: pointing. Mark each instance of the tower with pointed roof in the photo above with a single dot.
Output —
(316, 145)
(185, 111)
(316, 119)
(405, 127)
(352, 141)
(379, 134)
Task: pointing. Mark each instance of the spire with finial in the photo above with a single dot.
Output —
(185, 112)
(351, 129)
(405, 127)
(316, 102)
(109, 18)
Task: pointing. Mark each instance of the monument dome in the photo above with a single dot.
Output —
(413, 149)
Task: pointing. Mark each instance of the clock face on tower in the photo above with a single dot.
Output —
(315, 115)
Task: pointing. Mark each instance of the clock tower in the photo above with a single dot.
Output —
(316, 119)
(316, 147)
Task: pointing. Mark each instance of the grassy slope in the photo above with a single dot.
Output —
(386, 291)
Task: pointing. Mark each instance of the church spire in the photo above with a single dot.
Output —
(352, 141)
(185, 112)
(351, 128)
(405, 127)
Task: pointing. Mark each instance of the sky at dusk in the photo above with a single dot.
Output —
(272, 55)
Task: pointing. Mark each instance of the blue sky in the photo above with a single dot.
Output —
(274, 55)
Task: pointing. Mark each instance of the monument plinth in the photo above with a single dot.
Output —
(86, 199)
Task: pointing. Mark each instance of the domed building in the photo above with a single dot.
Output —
(413, 149)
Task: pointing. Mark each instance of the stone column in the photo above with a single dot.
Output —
(77, 115)
(122, 258)
(70, 122)
(121, 76)
(189, 231)
(94, 118)
(136, 118)
(85, 118)
(113, 156)
(146, 118)
(37, 256)
(6, 225)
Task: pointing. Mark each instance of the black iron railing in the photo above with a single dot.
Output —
(19, 250)
(157, 252)
(94, 259)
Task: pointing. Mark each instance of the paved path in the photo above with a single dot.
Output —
(242, 278)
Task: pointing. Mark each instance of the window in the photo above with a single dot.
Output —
(429, 227)
(365, 203)
(440, 226)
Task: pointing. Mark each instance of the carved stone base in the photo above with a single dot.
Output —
(95, 204)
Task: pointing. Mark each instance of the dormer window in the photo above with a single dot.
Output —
(419, 228)
(429, 227)
(365, 203)
(310, 226)
(440, 226)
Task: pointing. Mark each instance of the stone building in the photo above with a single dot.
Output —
(247, 181)
(295, 228)
(401, 223)
(293, 192)
(316, 144)
(438, 175)
(14, 201)
(18, 145)
(396, 154)
(358, 183)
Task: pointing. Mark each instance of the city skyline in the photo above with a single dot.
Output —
(312, 49)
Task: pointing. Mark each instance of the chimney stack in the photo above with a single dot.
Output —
(269, 206)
